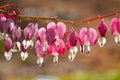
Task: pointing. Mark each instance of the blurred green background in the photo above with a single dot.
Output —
(102, 64)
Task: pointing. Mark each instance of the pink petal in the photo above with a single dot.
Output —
(30, 31)
(88, 34)
(51, 49)
(9, 24)
(36, 29)
(114, 26)
(26, 32)
(61, 48)
(102, 28)
(118, 25)
(2, 22)
(13, 13)
(50, 35)
(73, 37)
(92, 36)
(83, 35)
(8, 44)
(16, 33)
(51, 25)
(61, 29)
(39, 49)
(41, 35)
(68, 45)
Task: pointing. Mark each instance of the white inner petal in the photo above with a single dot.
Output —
(55, 58)
(87, 47)
(18, 45)
(24, 55)
(31, 43)
(8, 55)
(82, 48)
(102, 41)
(117, 39)
(72, 53)
(28, 43)
(71, 56)
(40, 61)
(45, 44)
(73, 50)
(13, 50)
(57, 40)
(25, 43)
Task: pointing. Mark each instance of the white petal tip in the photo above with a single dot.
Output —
(24, 55)
(71, 56)
(8, 55)
(23, 58)
(102, 41)
(87, 49)
(14, 50)
(55, 59)
(18, 45)
(8, 58)
(82, 49)
(73, 50)
(28, 43)
(40, 61)
(117, 39)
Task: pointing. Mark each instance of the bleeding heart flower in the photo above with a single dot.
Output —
(60, 30)
(16, 34)
(24, 53)
(56, 51)
(29, 34)
(50, 36)
(9, 25)
(2, 22)
(115, 29)
(13, 13)
(102, 30)
(88, 37)
(41, 36)
(72, 44)
(39, 52)
(8, 47)
(29, 31)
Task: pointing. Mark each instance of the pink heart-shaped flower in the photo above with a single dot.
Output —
(88, 35)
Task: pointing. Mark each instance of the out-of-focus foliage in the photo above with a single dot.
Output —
(81, 75)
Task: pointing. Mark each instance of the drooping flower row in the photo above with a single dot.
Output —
(49, 39)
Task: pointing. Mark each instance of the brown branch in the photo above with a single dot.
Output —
(95, 18)
(56, 19)
(7, 5)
